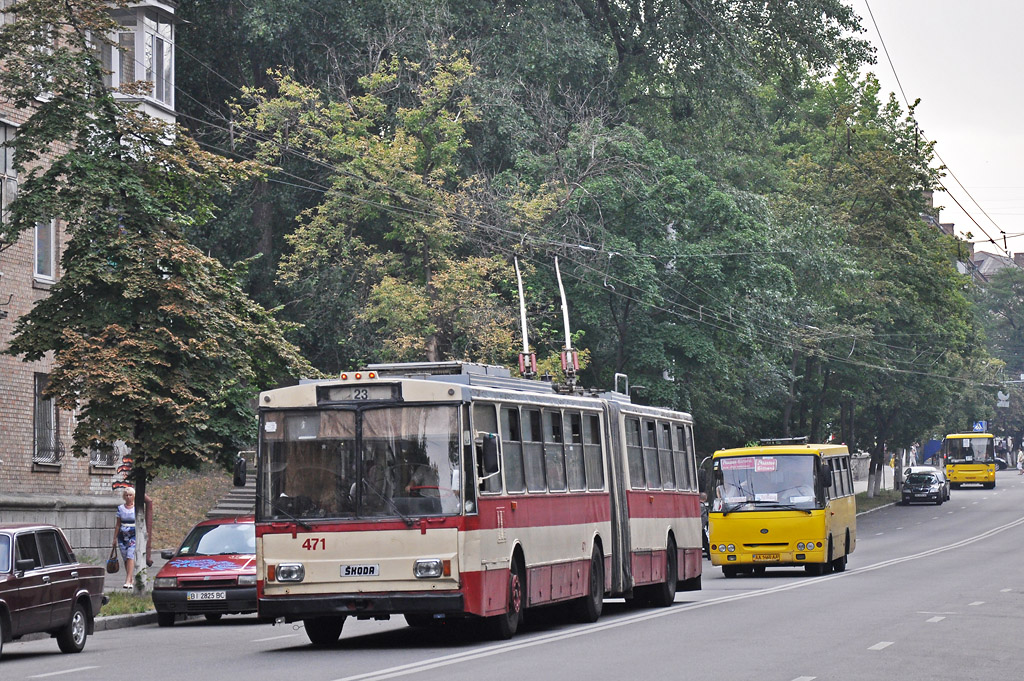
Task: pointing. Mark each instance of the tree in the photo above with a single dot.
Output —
(385, 254)
(155, 344)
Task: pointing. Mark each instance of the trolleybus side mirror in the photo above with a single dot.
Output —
(489, 454)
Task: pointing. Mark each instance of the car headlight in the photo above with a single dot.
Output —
(165, 582)
(247, 580)
(290, 572)
(934, 488)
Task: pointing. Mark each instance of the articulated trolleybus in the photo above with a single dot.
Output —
(454, 491)
(782, 505)
(970, 458)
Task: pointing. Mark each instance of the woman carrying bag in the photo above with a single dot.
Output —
(124, 535)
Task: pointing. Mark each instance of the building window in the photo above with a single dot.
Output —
(143, 49)
(48, 448)
(8, 175)
(46, 239)
(5, 16)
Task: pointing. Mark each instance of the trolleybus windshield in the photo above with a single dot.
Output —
(747, 483)
(381, 462)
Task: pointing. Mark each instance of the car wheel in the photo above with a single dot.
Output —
(165, 619)
(71, 639)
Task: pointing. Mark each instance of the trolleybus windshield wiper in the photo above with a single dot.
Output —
(389, 501)
(277, 507)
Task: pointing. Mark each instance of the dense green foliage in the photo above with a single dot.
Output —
(155, 343)
(735, 208)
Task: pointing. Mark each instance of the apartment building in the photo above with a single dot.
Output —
(40, 480)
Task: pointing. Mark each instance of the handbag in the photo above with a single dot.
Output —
(113, 564)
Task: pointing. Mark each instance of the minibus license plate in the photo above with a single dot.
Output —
(760, 557)
(206, 596)
(360, 570)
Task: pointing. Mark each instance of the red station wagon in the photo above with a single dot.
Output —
(43, 588)
(213, 573)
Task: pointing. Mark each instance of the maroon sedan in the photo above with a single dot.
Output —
(43, 588)
(213, 573)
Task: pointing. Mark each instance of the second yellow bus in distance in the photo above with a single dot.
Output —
(970, 458)
(782, 505)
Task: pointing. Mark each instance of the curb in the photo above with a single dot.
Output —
(876, 508)
(108, 622)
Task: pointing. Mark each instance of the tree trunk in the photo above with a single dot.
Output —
(787, 411)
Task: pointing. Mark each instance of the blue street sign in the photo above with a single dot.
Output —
(980, 426)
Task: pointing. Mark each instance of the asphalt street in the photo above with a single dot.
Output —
(932, 592)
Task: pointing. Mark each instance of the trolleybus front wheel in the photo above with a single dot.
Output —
(323, 631)
(505, 625)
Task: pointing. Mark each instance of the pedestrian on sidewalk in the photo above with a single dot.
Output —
(1020, 463)
(124, 534)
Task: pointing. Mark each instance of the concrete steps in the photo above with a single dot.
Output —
(239, 501)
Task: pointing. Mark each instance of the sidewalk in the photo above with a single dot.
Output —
(114, 582)
(887, 481)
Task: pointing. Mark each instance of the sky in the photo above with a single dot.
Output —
(963, 59)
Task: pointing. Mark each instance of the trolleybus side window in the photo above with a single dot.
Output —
(554, 457)
(651, 467)
(848, 475)
(635, 454)
(533, 451)
(592, 451)
(574, 466)
(690, 460)
(485, 421)
(682, 457)
(668, 475)
(512, 450)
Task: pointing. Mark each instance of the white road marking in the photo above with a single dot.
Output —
(879, 534)
(273, 638)
(977, 603)
(805, 678)
(1005, 591)
(66, 671)
(935, 619)
(586, 630)
(881, 645)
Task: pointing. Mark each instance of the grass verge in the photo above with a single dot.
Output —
(883, 498)
(127, 604)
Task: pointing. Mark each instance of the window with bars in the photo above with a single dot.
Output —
(47, 446)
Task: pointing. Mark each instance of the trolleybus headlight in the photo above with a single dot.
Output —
(291, 572)
(165, 582)
(730, 548)
(810, 545)
(799, 546)
(247, 580)
(425, 569)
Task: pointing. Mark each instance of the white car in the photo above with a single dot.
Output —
(941, 474)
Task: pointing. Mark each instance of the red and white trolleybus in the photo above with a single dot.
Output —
(454, 490)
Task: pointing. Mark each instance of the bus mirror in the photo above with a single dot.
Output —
(826, 481)
(490, 453)
(239, 478)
